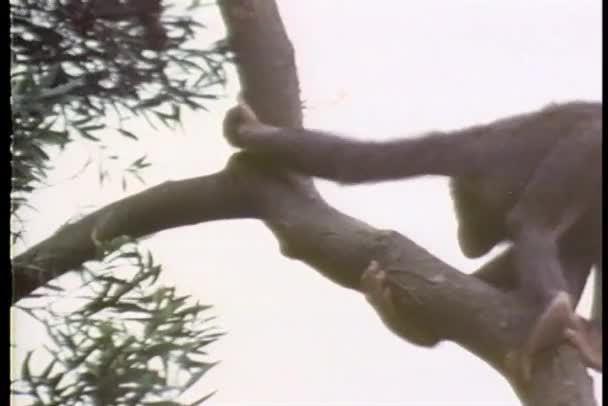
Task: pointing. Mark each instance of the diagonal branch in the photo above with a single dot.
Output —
(170, 204)
(435, 301)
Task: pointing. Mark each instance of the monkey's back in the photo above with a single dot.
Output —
(504, 156)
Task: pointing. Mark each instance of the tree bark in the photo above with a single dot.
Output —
(435, 301)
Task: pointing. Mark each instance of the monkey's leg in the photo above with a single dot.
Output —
(588, 337)
(575, 256)
(543, 285)
(585, 335)
(596, 311)
(559, 321)
(554, 200)
(576, 259)
(554, 322)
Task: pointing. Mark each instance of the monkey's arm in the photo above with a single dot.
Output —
(559, 195)
(321, 154)
(465, 152)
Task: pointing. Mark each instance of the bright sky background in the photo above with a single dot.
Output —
(371, 69)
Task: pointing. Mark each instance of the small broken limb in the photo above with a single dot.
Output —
(378, 294)
(377, 291)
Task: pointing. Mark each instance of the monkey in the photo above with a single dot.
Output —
(531, 179)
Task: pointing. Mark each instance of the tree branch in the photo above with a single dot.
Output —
(168, 205)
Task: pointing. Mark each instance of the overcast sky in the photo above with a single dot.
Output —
(374, 70)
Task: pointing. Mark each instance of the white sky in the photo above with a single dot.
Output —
(372, 70)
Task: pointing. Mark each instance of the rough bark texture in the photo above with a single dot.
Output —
(436, 302)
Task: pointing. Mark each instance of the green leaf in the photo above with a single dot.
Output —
(203, 399)
(128, 134)
(25, 368)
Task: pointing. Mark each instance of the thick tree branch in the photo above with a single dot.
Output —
(168, 205)
(265, 60)
(434, 300)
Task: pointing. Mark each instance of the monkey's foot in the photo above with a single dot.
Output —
(377, 293)
(588, 341)
(548, 330)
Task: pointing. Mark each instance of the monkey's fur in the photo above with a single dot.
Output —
(533, 179)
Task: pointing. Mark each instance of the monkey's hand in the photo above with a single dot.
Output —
(587, 338)
(236, 122)
(242, 126)
(557, 322)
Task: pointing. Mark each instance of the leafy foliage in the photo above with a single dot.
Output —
(76, 61)
(75, 64)
(131, 341)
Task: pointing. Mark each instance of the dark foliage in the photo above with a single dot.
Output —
(75, 61)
